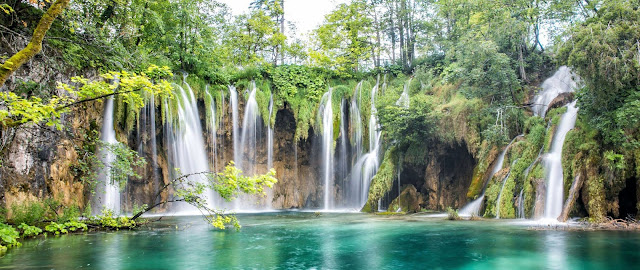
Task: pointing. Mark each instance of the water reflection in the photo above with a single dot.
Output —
(330, 241)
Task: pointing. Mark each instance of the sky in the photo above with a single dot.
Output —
(306, 14)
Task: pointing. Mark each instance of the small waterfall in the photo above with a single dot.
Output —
(186, 143)
(325, 112)
(521, 204)
(553, 164)
(107, 194)
(367, 166)
(504, 181)
(355, 123)
(561, 82)
(233, 100)
(213, 130)
(343, 163)
(403, 101)
(473, 208)
(270, 136)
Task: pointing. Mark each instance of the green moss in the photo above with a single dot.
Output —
(382, 182)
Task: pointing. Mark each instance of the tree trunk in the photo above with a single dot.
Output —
(571, 199)
(403, 48)
(35, 44)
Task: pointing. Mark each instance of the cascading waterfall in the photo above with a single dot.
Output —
(270, 136)
(107, 193)
(213, 129)
(553, 164)
(355, 122)
(367, 166)
(326, 114)
(561, 82)
(187, 147)
(248, 147)
(404, 101)
(233, 102)
(521, 204)
(248, 150)
(473, 208)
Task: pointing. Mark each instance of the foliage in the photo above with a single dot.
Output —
(604, 52)
(8, 237)
(66, 227)
(130, 86)
(452, 214)
(407, 126)
(29, 231)
(383, 180)
(28, 212)
(109, 220)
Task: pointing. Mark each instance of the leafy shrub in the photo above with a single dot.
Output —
(64, 228)
(28, 212)
(8, 236)
(452, 214)
(109, 220)
(29, 231)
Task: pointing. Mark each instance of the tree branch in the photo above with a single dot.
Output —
(35, 45)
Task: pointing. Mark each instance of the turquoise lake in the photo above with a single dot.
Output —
(299, 240)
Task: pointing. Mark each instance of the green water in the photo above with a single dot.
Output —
(331, 241)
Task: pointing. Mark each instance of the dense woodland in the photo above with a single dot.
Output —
(471, 67)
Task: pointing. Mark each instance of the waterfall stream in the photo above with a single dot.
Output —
(553, 164)
(326, 114)
(186, 143)
(107, 196)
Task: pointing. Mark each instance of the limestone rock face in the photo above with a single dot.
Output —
(410, 200)
(561, 100)
(442, 176)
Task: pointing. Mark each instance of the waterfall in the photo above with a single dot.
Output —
(326, 114)
(473, 208)
(521, 204)
(213, 130)
(270, 136)
(107, 195)
(367, 166)
(248, 147)
(233, 100)
(553, 164)
(355, 123)
(403, 101)
(186, 143)
(561, 82)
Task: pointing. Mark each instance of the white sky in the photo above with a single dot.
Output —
(306, 14)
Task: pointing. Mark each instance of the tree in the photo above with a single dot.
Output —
(228, 184)
(35, 45)
(605, 52)
(343, 40)
(131, 86)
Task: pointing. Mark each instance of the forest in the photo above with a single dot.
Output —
(113, 112)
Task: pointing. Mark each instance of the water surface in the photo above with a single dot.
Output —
(295, 240)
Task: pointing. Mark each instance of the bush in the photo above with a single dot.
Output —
(29, 231)
(64, 228)
(452, 214)
(28, 212)
(8, 237)
(109, 220)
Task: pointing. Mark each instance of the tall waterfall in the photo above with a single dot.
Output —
(233, 102)
(553, 164)
(186, 143)
(561, 82)
(325, 112)
(355, 122)
(367, 166)
(270, 136)
(107, 192)
(213, 129)
(251, 123)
